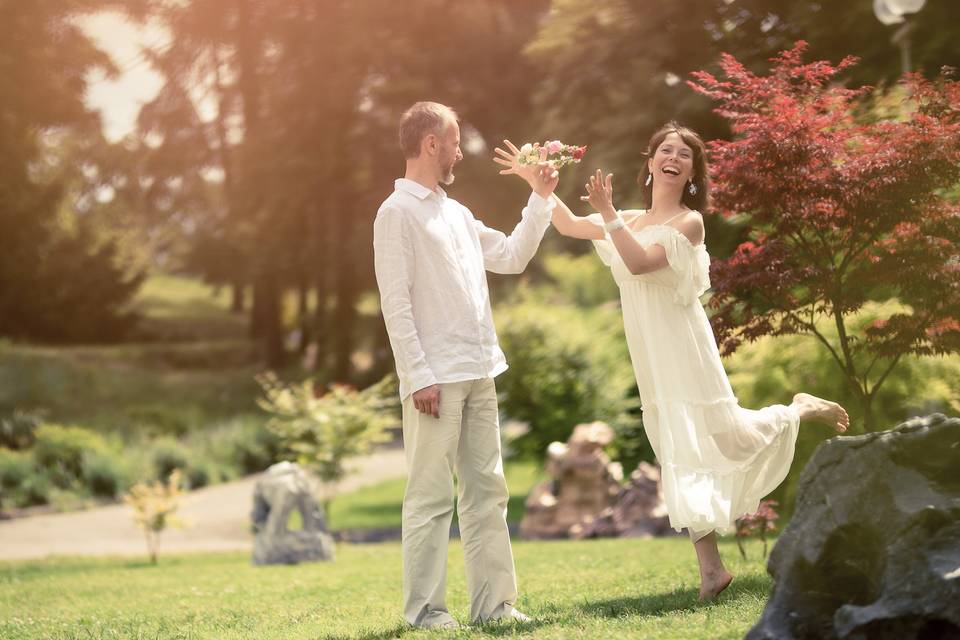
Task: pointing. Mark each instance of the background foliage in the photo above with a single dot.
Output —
(144, 282)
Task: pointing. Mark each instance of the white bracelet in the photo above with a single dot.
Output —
(615, 224)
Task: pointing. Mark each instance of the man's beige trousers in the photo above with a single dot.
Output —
(465, 440)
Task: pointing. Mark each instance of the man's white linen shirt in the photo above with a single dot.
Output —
(430, 256)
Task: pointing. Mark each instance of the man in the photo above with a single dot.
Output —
(431, 255)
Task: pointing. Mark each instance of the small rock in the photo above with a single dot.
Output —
(639, 510)
(285, 487)
(584, 483)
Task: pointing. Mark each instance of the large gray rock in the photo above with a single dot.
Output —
(283, 488)
(873, 550)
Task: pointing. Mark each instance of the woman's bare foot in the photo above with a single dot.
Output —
(829, 413)
(712, 585)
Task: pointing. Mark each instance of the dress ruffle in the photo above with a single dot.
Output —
(690, 262)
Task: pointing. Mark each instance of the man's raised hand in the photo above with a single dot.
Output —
(542, 177)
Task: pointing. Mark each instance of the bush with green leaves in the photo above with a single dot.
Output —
(242, 445)
(17, 428)
(16, 471)
(60, 450)
(582, 281)
(198, 466)
(568, 365)
(168, 454)
(104, 473)
(322, 430)
(770, 370)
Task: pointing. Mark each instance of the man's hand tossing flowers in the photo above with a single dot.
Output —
(554, 154)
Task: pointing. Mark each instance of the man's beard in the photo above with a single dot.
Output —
(448, 176)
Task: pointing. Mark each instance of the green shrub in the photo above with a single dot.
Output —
(259, 449)
(630, 445)
(60, 449)
(16, 467)
(201, 472)
(583, 281)
(166, 455)
(162, 419)
(17, 429)
(35, 490)
(322, 431)
(567, 366)
(771, 370)
(104, 474)
(240, 446)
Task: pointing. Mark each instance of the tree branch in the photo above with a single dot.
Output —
(844, 367)
(879, 382)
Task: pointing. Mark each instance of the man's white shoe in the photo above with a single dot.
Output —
(514, 616)
(438, 622)
(447, 624)
(520, 617)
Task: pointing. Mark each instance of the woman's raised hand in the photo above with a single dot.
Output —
(600, 193)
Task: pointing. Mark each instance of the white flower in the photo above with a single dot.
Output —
(526, 148)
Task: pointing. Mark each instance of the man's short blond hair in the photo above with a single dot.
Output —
(421, 120)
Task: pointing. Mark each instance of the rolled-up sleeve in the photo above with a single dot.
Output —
(393, 263)
(511, 254)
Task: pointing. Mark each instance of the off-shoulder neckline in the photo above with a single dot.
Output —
(668, 226)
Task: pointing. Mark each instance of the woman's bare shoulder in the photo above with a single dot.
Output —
(691, 225)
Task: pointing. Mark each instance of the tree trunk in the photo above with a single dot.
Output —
(321, 322)
(866, 402)
(238, 300)
(344, 320)
(345, 315)
(268, 292)
(303, 314)
(266, 323)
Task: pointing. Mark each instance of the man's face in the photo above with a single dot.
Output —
(449, 152)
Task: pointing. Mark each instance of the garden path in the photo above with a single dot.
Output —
(219, 519)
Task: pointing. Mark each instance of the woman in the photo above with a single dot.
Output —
(717, 459)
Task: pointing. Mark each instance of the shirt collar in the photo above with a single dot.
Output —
(417, 189)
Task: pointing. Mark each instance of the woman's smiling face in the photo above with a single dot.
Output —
(672, 162)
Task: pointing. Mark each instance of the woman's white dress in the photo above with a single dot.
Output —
(717, 459)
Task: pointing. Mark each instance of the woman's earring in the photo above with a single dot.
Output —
(692, 188)
(649, 180)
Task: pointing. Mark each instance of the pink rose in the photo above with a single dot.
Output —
(578, 152)
(554, 146)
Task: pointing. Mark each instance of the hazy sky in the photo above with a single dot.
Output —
(119, 100)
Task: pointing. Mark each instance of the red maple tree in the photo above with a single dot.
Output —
(844, 207)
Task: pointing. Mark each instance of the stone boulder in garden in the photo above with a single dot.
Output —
(284, 488)
(584, 483)
(639, 511)
(873, 549)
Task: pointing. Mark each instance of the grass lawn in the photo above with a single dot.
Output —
(592, 589)
(378, 506)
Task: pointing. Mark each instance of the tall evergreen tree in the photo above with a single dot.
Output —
(57, 282)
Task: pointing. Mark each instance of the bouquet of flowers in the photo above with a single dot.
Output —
(558, 154)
